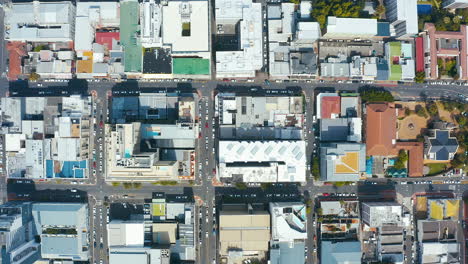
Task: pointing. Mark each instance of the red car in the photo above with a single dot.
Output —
(199, 135)
(101, 124)
(326, 194)
(206, 124)
(94, 164)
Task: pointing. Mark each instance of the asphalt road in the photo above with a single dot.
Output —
(95, 188)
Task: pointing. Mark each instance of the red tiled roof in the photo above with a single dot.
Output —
(105, 38)
(419, 54)
(330, 105)
(380, 129)
(435, 50)
(16, 51)
(415, 157)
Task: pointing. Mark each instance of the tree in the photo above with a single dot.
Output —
(315, 168)
(34, 76)
(339, 8)
(241, 185)
(420, 76)
(339, 183)
(115, 184)
(407, 111)
(401, 160)
(127, 185)
(379, 11)
(458, 161)
(420, 111)
(432, 109)
(320, 211)
(265, 185)
(461, 120)
(137, 185)
(399, 165)
(374, 95)
(403, 155)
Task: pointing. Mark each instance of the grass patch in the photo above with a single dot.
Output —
(436, 168)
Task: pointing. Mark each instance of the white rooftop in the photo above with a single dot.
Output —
(39, 21)
(287, 157)
(338, 27)
(288, 221)
(125, 233)
(305, 8)
(308, 31)
(192, 14)
(242, 63)
(435, 252)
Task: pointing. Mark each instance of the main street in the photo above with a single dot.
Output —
(96, 189)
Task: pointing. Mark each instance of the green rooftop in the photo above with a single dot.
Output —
(128, 36)
(395, 67)
(159, 209)
(191, 66)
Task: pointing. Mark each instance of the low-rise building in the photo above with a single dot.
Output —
(48, 137)
(439, 145)
(288, 221)
(381, 138)
(376, 214)
(97, 40)
(63, 230)
(244, 232)
(355, 28)
(401, 63)
(126, 244)
(341, 129)
(40, 22)
(239, 38)
(448, 47)
(262, 161)
(259, 117)
(342, 161)
(340, 252)
(390, 222)
(356, 67)
(291, 52)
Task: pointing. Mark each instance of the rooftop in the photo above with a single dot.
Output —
(243, 230)
(381, 135)
(45, 21)
(125, 233)
(245, 61)
(185, 26)
(330, 106)
(345, 252)
(377, 214)
(128, 34)
(62, 217)
(441, 146)
(288, 157)
(342, 161)
(288, 221)
(338, 27)
(434, 252)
